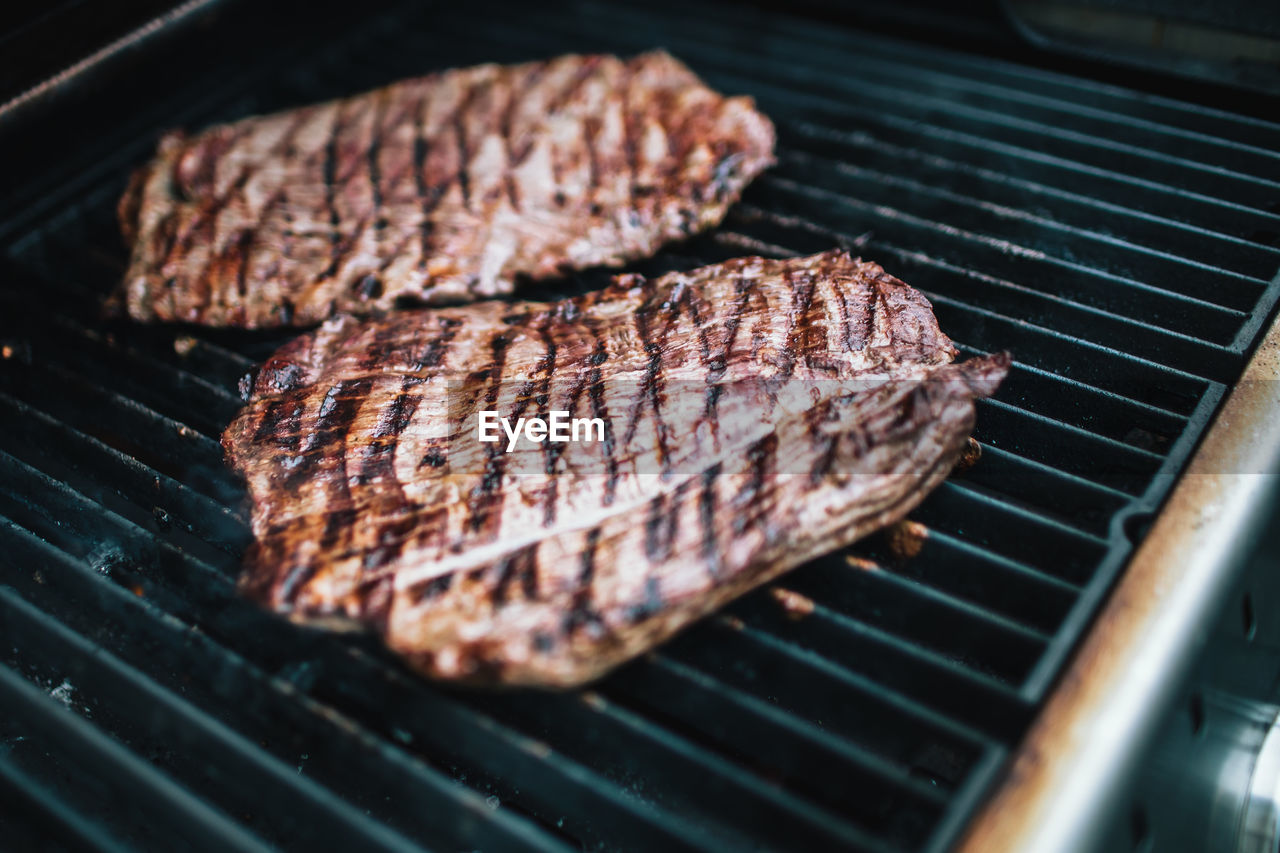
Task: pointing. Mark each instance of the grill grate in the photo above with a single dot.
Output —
(1123, 246)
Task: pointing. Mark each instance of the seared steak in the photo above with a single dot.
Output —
(445, 188)
(757, 413)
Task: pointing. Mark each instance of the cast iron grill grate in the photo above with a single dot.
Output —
(1124, 247)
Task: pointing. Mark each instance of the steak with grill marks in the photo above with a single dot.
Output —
(759, 413)
(441, 189)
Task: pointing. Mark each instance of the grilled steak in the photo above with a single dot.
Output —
(758, 413)
(445, 188)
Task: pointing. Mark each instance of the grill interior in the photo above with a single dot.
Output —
(1122, 246)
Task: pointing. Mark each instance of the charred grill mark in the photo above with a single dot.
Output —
(520, 154)
(551, 451)
(336, 523)
(590, 130)
(376, 597)
(429, 193)
(434, 458)
(427, 590)
(435, 351)
(828, 442)
(742, 290)
(628, 138)
(329, 175)
(869, 298)
(905, 416)
(551, 502)
(484, 497)
(515, 90)
(528, 576)
(242, 247)
(804, 337)
(581, 611)
(651, 605)
(375, 150)
(432, 193)
(412, 526)
(842, 305)
(651, 386)
(459, 121)
(336, 414)
(761, 455)
(717, 364)
(707, 518)
(280, 423)
(663, 523)
(463, 177)
(520, 566)
(595, 395)
(341, 243)
(513, 187)
(392, 536)
(293, 578)
(571, 89)
(680, 141)
(653, 528)
(690, 304)
(554, 106)
(397, 416)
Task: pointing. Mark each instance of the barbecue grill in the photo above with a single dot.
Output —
(997, 673)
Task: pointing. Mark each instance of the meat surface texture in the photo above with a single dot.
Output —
(759, 413)
(436, 190)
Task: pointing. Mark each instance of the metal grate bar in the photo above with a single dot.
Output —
(170, 447)
(976, 574)
(842, 652)
(1109, 414)
(1095, 366)
(37, 816)
(171, 806)
(119, 482)
(693, 777)
(204, 406)
(783, 747)
(1067, 447)
(1171, 273)
(1093, 215)
(981, 519)
(212, 752)
(1077, 502)
(976, 638)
